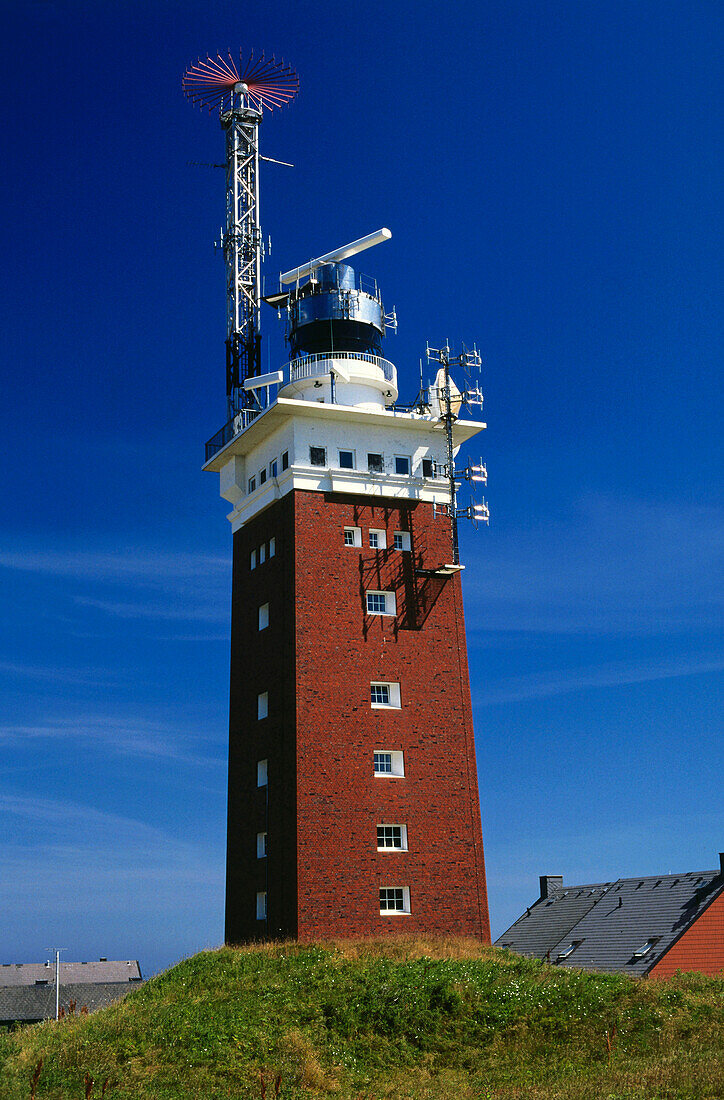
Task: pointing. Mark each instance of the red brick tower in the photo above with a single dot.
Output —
(353, 799)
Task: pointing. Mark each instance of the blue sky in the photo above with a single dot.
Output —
(551, 174)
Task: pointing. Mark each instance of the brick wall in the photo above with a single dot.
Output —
(317, 660)
(700, 948)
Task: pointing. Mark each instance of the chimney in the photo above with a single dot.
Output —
(549, 883)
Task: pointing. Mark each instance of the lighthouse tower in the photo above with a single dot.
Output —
(353, 804)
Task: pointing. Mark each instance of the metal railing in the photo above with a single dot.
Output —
(313, 365)
(237, 424)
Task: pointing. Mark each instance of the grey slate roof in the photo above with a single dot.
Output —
(608, 923)
(29, 1003)
(101, 970)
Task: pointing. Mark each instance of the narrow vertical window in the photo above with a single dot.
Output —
(428, 467)
(261, 905)
(273, 468)
(285, 460)
(262, 773)
(262, 553)
(252, 560)
(252, 484)
(261, 845)
(262, 476)
(262, 705)
(264, 616)
(272, 547)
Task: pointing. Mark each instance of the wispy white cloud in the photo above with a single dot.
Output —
(144, 585)
(149, 566)
(541, 685)
(121, 737)
(84, 856)
(46, 673)
(613, 566)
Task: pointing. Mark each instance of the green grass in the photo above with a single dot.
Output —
(407, 1018)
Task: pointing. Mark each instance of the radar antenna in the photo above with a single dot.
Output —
(241, 90)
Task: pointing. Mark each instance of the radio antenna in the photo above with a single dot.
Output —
(241, 89)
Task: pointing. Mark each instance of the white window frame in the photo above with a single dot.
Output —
(375, 454)
(408, 460)
(262, 773)
(397, 763)
(425, 459)
(402, 846)
(261, 845)
(317, 465)
(390, 601)
(393, 693)
(262, 476)
(262, 705)
(273, 467)
(261, 905)
(405, 902)
(252, 485)
(340, 452)
(378, 538)
(401, 541)
(356, 533)
(263, 616)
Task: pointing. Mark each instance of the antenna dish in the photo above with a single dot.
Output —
(214, 81)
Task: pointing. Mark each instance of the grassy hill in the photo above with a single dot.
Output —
(407, 1018)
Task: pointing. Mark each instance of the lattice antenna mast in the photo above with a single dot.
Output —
(241, 91)
(450, 401)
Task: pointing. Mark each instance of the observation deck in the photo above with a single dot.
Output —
(360, 380)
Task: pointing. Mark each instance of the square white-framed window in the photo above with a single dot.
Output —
(353, 536)
(252, 484)
(389, 763)
(381, 603)
(285, 460)
(375, 463)
(262, 773)
(262, 476)
(261, 845)
(385, 695)
(262, 553)
(273, 468)
(346, 460)
(252, 560)
(394, 900)
(391, 838)
(403, 464)
(263, 616)
(428, 467)
(378, 539)
(261, 905)
(262, 705)
(272, 547)
(402, 540)
(317, 456)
